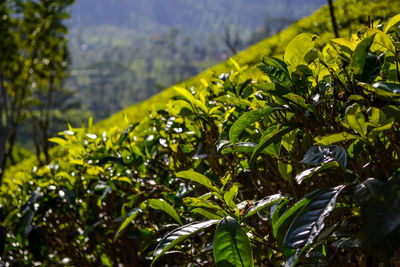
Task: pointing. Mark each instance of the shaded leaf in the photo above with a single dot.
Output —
(281, 224)
(323, 154)
(312, 171)
(263, 203)
(276, 70)
(272, 135)
(246, 120)
(309, 223)
(244, 147)
(381, 210)
(360, 55)
(131, 216)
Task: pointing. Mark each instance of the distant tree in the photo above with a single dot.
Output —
(232, 40)
(43, 26)
(333, 18)
(13, 82)
(33, 64)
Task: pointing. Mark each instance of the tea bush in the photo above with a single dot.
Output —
(300, 166)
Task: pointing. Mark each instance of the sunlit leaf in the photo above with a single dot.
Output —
(231, 245)
(131, 216)
(356, 119)
(391, 23)
(178, 235)
(163, 205)
(198, 178)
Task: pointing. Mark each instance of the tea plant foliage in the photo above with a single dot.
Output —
(297, 167)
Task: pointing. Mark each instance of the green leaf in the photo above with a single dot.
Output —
(203, 203)
(273, 88)
(391, 23)
(246, 120)
(209, 214)
(276, 70)
(58, 140)
(334, 138)
(263, 203)
(356, 119)
(282, 224)
(126, 132)
(189, 97)
(243, 147)
(322, 154)
(178, 235)
(235, 64)
(231, 245)
(309, 222)
(285, 170)
(380, 210)
(298, 100)
(131, 216)
(271, 135)
(198, 178)
(161, 204)
(312, 171)
(230, 196)
(392, 88)
(298, 48)
(360, 55)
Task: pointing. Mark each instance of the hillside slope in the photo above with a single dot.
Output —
(349, 17)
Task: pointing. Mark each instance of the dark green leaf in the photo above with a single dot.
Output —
(131, 216)
(272, 135)
(126, 132)
(276, 70)
(367, 190)
(309, 222)
(263, 203)
(244, 147)
(246, 120)
(360, 55)
(380, 210)
(317, 155)
(310, 172)
(281, 225)
(231, 245)
(178, 235)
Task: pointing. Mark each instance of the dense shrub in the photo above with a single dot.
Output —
(298, 167)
